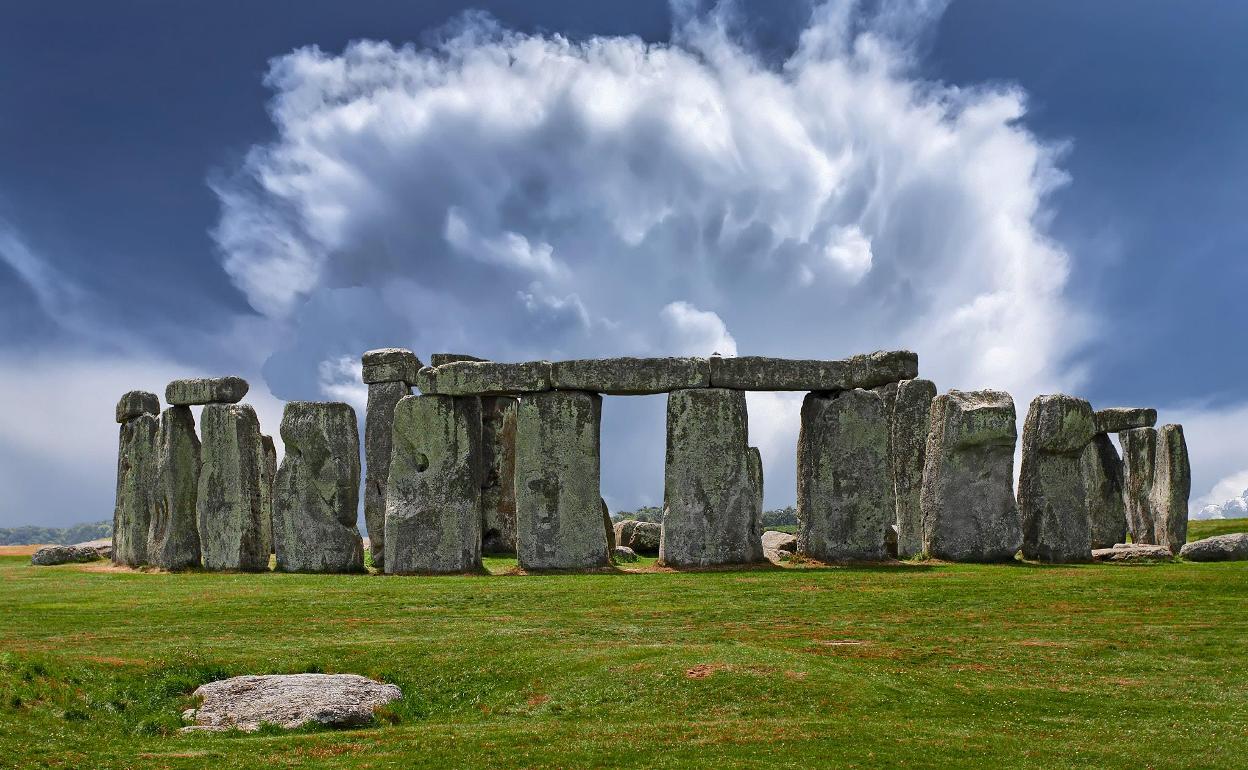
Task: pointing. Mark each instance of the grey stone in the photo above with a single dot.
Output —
(316, 494)
(622, 531)
(1139, 460)
(136, 486)
(235, 529)
(755, 459)
(623, 553)
(216, 390)
(779, 541)
(1118, 419)
(437, 359)
(390, 365)
(710, 495)
(558, 502)
(378, 440)
(644, 537)
(485, 378)
(135, 403)
(890, 541)
(288, 700)
(778, 557)
(51, 555)
(862, 371)
(1102, 477)
(498, 484)
(1172, 485)
(631, 376)
(911, 419)
(1130, 552)
(845, 496)
(1052, 497)
(269, 478)
(173, 534)
(871, 370)
(1232, 547)
(969, 511)
(610, 529)
(433, 496)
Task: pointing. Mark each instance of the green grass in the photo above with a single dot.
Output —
(912, 665)
(1197, 530)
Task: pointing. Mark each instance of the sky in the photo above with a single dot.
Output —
(1034, 197)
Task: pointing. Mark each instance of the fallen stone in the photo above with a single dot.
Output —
(135, 403)
(316, 493)
(845, 495)
(1118, 419)
(1052, 496)
(1131, 552)
(291, 700)
(777, 557)
(136, 487)
(217, 390)
(1232, 547)
(378, 441)
(1102, 478)
(764, 373)
(173, 534)
(498, 486)
(1139, 460)
(51, 555)
(390, 365)
(623, 553)
(779, 541)
(969, 511)
(644, 537)
(710, 501)
(911, 419)
(433, 495)
(235, 529)
(1172, 486)
(437, 359)
(630, 376)
(485, 378)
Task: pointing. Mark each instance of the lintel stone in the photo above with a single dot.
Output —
(135, 403)
(437, 359)
(484, 378)
(862, 371)
(390, 365)
(215, 390)
(1118, 419)
(631, 376)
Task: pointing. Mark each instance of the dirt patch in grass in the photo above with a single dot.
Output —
(19, 550)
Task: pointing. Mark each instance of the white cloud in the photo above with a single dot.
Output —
(341, 379)
(696, 332)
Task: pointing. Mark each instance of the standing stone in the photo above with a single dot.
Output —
(136, 477)
(1172, 484)
(1052, 497)
(1139, 460)
(389, 365)
(845, 496)
(558, 513)
(1102, 476)
(269, 479)
(911, 419)
(378, 438)
(608, 527)
(711, 485)
(756, 478)
(498, 490)
(173, 536)
(135, 403)
(316, 493)
(969, 511)
(433, 494)
(235, 530)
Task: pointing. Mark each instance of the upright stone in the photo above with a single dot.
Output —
(433, 494)
(316, 493)
(235, 530)
(1052, 497)
(498, 490)
(173, 536)
(1102, 476)
(1139, 461)
(136, 476)
(845, 496)
(1172, 485)
(558, 503)
(969, 511)
(756, 478)
(911, 419)
(269, 479)
(378, 437)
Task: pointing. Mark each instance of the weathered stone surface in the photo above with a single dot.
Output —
(890, 541)
(1052, 497)
(269, 479)
(1102, 478)
(378, 440)
(631, 376)
(609, 527)
(1130, 552)
(755, 460)
(485, 378)
(871, 370)
(779, 541)
(558, 502)
(862, 371)
(316, 493)
(235, 529)
(437, 359)
(1139, 460)
(845, 495)
(51, 555)
(498, 484)
(969, 511)
(390, 365)
(911, 420)
(136, 485)
(173, 534)
(433, 496)
(644, 537)
(623, 553)
(289, 700)
(1233, 547)
(1172, 485)
(1118, 419)
(135, 403)
(710, 500)
(215, 390)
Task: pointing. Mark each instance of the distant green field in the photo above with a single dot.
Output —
(914, 665)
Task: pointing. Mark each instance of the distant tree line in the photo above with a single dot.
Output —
(79, 533)
(777, 518)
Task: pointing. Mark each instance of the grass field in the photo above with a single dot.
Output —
(913, 665)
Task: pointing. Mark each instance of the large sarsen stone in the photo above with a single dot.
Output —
(485, 378)
(631, 376)
(235, 529)
(1118, 419)
(1232, 547)
(378, 437)
(136, 487)
(861, 371)
(135, 403)
(1102, 477)
(1172, 485)
(216, 390)
(911, 419)
(498, 481)
(1052, 497)
(173, 534)
(1139, 460)
(390, 365)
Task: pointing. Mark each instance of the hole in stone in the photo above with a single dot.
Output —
(422, 462)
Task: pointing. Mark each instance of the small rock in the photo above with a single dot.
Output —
(1233, 547)
(1131, 552)
(51, 555)
(779, 541)
(289, 701)
(624, 553)
(217, 390)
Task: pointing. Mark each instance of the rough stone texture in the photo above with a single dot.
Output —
(173, 534)
(216, 390)
(631, 376)
(1130, 552)
(1102, 478)
(623, 553)
(235, 529)
(1118, 419)
(911, 420)
(622, 532)
(1233, 547)
(1172, 485)
(390, 365)
(845, 495)
(710, 496)
(269, 479)
(316, 493)
(558, 502)
(433, 496)
(378, 440)
(779, 541)
(51, 555)
(437, 359)
(763, 373)
(485, 378)
(289, 700)
(1139, 461)
(755, 460)
(498, 483)
(969, 511)
(643, 537)
(610, 529)
(136, 484)
(135, 403)
(1052, 497)
(890, 541)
